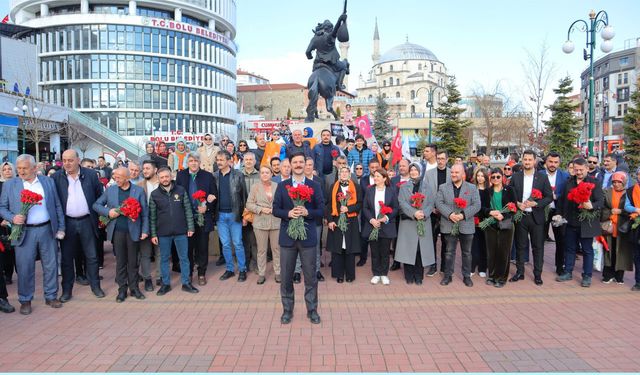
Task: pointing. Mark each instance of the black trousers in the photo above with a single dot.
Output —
(364, 248)
(79, 238)
(250, 247)
(498, 250)
(415, 272)
(102, 236)
(479, 252)
(609, 272)
(8, 258)
(199, 251)
(126, 260)
(288, 256)
(3, 284)
(435, 228)
(343, 265)
(380, 250)
(558, 236)
(80, 263)
(527, 229)
(465, 250)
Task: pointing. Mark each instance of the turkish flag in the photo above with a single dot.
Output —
(5, 19)
(396, 148)
(364, 126)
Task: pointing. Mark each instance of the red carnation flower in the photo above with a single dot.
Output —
(334, 153)
(536, 194)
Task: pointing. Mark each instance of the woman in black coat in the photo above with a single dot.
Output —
(344, 246)
(498, 236)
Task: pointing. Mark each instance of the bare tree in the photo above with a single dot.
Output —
(37, 127)
(538, 72)
(76, 138)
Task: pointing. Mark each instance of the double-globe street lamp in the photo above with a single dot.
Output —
(597, 21)
(430, 91)
(23, 105)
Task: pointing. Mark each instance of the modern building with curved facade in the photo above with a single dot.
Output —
(140, 66)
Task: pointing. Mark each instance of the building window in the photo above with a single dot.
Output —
(391, 81)
(625, 78)
(624, 61)
(391, 68)
(413, 94)
(413, 109)
(397, 94)
(623, 94)
(384, 96)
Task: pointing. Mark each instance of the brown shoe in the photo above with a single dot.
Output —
(55, 303)
(202, 280)
(25, 308)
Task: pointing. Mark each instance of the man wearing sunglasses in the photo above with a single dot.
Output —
(594, 168)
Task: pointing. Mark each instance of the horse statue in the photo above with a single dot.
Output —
(322, 82)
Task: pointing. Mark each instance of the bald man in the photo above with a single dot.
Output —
(78, 189)
(124, 233)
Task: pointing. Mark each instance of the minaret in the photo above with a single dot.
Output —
(376, 45)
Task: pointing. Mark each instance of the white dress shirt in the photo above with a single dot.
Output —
(552, 182)
(151, 186)
(76, 201)
(527, 186)
(379, 197)
(38, 214)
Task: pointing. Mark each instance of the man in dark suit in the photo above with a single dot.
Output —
(43, 224)
(365, 182)
(289, 248)
(558, 180)
(193, 179)
(78, 189)
(532, 224)
(434, 178)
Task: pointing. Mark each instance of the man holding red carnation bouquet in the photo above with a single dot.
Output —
(458, 202)
(301, 239)
(579, 205)
(124, 229)
(39, 228)
(533, 193)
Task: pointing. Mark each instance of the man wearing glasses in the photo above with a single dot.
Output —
(594, 169)
(208, 152)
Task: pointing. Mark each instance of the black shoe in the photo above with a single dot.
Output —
(140, 278)
(517, 277)
(395, 266)
(321, 264)
(319, 276)
(137, 293)
(490, 281)
(409, 281)
(419, 282)
(286, 317)
(432, 271)
(548, 239)
(148, 285)
(164, 289)
(559, 271)
(189, 288)
(97, 291)
(636, 287)
(313, 317)
(350, 280)
(81, 280)
(538, 281)
(66, 297)
(122, 295)
(296, 278)
(467, 281)
(446, 280)
(8, 281)
(340, 280)
(6, 307)
(227, 275)
(100, 277)
(158, 282)
(25, 308)
(499, 284)
(361, 262)
(220, 261)
(242, 276)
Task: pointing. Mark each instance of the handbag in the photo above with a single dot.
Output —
(624, 227)
(247, 215)
(598, 255)
(607, 227)
(505, 224)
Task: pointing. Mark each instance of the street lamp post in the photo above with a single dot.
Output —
(22, 105)
(599, 21)
(430, 92)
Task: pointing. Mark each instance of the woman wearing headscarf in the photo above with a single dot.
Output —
(619, 258)
(8, 257)
(413, 250)
(344, 245)
(178, 159)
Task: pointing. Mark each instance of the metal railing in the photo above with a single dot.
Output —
(102, 134)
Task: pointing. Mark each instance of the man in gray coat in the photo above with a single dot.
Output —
(433, 178)
(451, 214)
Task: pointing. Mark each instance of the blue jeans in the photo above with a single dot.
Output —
(572, 237)
(230, 231)
(182, 245)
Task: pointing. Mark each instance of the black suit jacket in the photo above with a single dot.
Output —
(91, 187)
(207, 182)
(540, 182)
(387, 230)
(508, 195)
(282, 204)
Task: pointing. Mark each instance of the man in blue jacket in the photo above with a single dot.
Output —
(289, 248)
(558, 180)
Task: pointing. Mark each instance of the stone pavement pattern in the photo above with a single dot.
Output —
(230, 326)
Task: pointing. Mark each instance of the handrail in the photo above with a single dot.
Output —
(94, 126)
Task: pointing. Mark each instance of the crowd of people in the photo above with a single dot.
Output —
(287, 201)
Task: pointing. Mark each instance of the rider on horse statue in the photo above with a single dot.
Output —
(324, 42)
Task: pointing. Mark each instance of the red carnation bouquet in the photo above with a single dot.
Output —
(509, 207)
(534, 197)
(343, 198)
(130, 208)
(580, 195)
(200, 196)
(334, 153)
(104, 181)
(416, 202)
(299, 195)
(384, 210)
(460, 204)
(28, 199)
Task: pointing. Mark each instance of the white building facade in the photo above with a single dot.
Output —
(138, 67)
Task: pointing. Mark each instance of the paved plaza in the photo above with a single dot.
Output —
(230, 326)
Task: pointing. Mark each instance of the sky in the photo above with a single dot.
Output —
(482, 43)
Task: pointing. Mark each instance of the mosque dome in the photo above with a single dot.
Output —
(407, 51)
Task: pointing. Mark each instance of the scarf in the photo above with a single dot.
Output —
(353, 198)
(615, 203)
